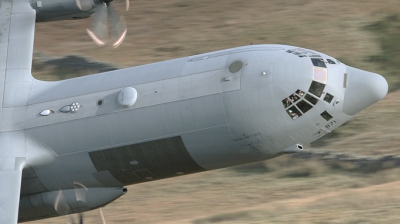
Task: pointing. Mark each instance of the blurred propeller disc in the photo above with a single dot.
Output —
(105, 18)
(99, 30)
(117, 26)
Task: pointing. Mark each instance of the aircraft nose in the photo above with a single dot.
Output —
(362, 90)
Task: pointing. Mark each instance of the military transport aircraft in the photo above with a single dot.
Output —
(71, 146)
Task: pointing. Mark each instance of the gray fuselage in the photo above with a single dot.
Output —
(192, 114)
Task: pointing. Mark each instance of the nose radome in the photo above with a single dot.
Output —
(362, 90)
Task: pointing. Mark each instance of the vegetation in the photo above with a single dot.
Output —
(388, 33)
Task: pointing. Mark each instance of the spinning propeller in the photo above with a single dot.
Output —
(106, 20)
(62, 207)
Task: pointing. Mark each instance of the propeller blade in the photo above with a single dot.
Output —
(99, 30)
(80, 218)
(117, 26)
(60, 204)
(80, 192)
(84, 5)
(79, 4)
(127, 5)
(102, 217)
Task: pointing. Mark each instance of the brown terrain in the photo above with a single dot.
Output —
(349, 176)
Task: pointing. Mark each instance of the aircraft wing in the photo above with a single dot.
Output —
(17, 25)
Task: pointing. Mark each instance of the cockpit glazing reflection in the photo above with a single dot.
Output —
(300, 102)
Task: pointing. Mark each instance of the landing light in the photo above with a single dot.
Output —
(46, 113)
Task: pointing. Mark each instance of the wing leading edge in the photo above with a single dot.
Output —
(17, 25)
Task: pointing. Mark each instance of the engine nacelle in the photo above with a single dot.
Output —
(64, 202)
(54, 10)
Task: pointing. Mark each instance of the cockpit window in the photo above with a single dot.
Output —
(304, 106)
(293, 112)
(316, 88)
(330, 61)
(320, 74)
(326, 116)
(294, 98)
(328, 98)
(286, 102)
(299, 103)
(311, 99)
(300, 93)
(318, 62)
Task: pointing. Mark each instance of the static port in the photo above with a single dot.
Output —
(99, 102)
